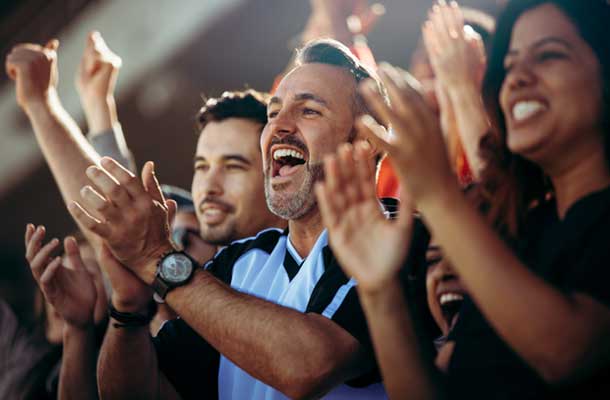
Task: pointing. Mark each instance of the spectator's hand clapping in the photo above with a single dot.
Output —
(69, 287)
(341, 19)
(416, 148)
(369, 247)
(134, 215)
(456, 52)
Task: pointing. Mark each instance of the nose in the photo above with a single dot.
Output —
(520, 76)
(283, 123)
(208, 183)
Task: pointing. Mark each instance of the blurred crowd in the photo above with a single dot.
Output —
(356, 231)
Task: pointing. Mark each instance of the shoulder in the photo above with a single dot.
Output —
(224, 260)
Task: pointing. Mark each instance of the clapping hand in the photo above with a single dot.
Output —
(368, 246)
(68, 286)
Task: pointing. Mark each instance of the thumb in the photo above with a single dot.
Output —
(52, 44)
(172, 207)
(151, 184)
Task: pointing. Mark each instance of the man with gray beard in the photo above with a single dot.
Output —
(269, 317)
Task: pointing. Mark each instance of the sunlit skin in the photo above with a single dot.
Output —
(308, 113)
(549, 63)
(227, 183)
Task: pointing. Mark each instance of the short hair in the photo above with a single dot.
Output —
(334, 53)
(248, 104)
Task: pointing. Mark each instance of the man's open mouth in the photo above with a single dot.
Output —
(286, 160)
(451, 303)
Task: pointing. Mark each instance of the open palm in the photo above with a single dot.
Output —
(68, 286)
(369, 247)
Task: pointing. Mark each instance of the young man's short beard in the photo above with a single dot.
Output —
(297, 205)
(220, 235)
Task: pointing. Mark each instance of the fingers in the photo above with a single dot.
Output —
(29, 231)
(369, 91)
(346, 169)
(49, 273)
(72, 252)
(370, 129)
(151, 184)
(41, 260)
(123, 176)
(94, 201)
(33, 246)
(364, 171)
(116, 184)
(172, 207)
(84, 218)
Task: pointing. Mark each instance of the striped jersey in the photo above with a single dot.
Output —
(267, 266)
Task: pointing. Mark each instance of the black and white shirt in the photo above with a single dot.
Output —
(266, 266)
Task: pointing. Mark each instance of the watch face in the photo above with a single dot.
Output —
(176, 268)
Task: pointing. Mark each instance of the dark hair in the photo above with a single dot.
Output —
(510, 183)
(248, 104)
(332, 52)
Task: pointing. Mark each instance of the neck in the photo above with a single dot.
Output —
(588, 175)
(304, 232)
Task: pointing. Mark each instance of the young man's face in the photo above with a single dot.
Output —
(311, 113)
(227, 185)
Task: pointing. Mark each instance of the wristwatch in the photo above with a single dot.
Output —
(174, 269)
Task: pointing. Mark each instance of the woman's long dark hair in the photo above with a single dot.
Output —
(510, 184)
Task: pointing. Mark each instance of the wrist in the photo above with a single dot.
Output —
(43, 104)
(463, 89)
(146, 268)
(383, 299)
(100, 113)
(130, 305)
(83, 327)
(442, 199)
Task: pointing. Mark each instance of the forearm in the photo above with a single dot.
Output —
(547, 327)
(77, 376)
(406, 371)
(472, 122)
(316, 354)
(127, 366)
(65, 149)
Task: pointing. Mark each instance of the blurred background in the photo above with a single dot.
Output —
(174, 52)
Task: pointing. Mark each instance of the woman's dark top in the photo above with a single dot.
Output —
(572, 254)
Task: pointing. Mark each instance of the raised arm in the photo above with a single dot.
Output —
(553, 331)
(308, 359)
(458, 59)
(67, 152)
(95, 81)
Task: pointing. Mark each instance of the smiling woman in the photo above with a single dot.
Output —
(537, 320)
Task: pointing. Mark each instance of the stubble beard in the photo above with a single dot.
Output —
(296, 205)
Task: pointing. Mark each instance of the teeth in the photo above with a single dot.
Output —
(280, 153)
(525, 109)
(449, 297)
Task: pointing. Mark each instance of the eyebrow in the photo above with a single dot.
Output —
(543, 41)
(433, 247)
(301, 97)
(227, 157)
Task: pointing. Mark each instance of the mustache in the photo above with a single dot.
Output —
(289, 140)
(216, 201)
